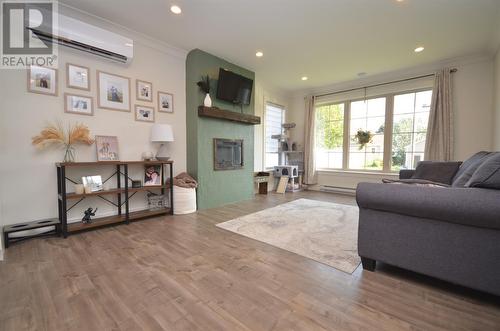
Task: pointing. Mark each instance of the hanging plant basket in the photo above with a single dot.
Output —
(363, 138)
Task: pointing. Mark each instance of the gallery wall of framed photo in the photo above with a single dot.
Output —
(113, 91)
(71, 94)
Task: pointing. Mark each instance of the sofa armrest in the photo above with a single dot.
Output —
(406, 173)
(467, 206)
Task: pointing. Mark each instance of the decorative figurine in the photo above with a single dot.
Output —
(88, 214)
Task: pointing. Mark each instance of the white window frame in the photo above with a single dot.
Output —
(389, 121)
(283, 116)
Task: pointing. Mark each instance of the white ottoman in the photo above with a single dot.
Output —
(184, 200)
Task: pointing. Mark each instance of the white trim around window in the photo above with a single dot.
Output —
(348, 147)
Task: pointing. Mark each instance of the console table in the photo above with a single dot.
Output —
(123, 194)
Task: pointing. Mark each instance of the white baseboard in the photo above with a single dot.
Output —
(337, 189)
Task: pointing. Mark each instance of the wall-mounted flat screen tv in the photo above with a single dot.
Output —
(234, 88)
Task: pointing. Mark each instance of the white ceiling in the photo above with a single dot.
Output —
(327, 40)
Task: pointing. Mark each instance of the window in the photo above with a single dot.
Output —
(330, 136)
(411, 116)
(367, 115)
(275, 116)
(340, 128)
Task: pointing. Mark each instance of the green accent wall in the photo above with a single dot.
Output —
(216, 188)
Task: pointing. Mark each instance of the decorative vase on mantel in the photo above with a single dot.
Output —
(208, 101)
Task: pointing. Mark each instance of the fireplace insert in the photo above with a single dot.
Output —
(228, 154)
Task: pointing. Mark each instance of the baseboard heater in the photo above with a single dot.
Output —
(337, 189)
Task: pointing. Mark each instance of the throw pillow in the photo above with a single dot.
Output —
(488, 173)
(468, 168)
(439, 172)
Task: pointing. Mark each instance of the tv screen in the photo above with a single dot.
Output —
(234, 88)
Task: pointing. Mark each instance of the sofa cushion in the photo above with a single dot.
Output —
(439, 172)
(487, 174)
(468, 168)
(477, 207)
(416, 182)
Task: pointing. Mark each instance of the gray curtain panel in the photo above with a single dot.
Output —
(309, 142)
(439, 143)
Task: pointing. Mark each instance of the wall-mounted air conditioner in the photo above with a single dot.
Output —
(88, 38)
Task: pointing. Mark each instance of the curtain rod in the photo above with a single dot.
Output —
(381, 84)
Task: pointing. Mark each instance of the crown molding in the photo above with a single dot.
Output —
(138, 37)
(423, 69)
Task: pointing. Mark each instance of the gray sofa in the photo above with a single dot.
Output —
(450, 233)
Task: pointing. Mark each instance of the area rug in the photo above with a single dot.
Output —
(322, 231)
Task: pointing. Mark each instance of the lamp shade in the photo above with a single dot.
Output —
(162, 133)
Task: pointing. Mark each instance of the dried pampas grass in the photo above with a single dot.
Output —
(54, 134)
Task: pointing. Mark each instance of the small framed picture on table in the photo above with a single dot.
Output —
(107, 148)
(152, 175)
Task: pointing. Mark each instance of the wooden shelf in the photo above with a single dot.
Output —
(100, 163)
(116, 219)
(96, 222)
(136, 215)
(83, 195)
(147, 188)
(123, 195)
(228, 115)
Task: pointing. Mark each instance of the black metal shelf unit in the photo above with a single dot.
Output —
(123, 194)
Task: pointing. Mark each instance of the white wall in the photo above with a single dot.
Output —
(472, 101)
(28, 189)
(497, 101)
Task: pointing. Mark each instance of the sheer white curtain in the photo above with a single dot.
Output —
(309, 142)
(439, 142)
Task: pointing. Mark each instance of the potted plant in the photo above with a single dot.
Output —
(363, 138)
(204, 85)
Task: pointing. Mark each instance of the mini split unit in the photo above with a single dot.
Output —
(88, 38)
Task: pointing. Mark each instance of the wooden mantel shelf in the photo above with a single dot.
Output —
(228, 115)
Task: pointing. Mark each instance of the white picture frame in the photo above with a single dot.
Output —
(107, 148)
(42, 80)
(77, 77)
(144, 114)
(165, 102)
(143, 90)
(78, 104)
(113, 91)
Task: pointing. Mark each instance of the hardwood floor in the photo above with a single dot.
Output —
(183, 273)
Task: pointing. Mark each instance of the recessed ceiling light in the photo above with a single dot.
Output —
(304, 78)
(419, 49)
(259, 54)
(176, 9)
(129, 44)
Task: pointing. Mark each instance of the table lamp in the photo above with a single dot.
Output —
(162, 133)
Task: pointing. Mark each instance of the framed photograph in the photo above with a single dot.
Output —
(144, 114)
(78, 104)
(107, 148)
(113, 91)
(152, 175)
(42, 80)
(144, 90)
(77, 77)
(94, 182)
(165, 102)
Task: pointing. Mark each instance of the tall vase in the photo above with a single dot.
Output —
(69, 155)
(207, 102)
